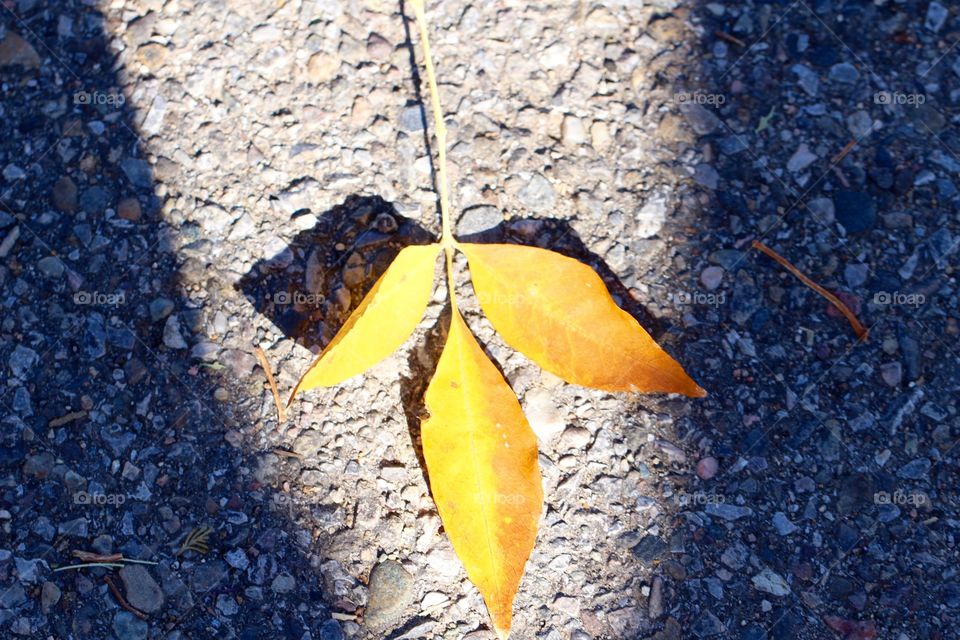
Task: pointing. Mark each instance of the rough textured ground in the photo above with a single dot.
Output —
(184, 180)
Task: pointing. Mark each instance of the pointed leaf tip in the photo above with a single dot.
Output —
(385, 318)
(481, 457)
(557, 312)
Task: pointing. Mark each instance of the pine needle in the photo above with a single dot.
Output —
(858, 328)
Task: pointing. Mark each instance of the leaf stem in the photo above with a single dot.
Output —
(447, 241)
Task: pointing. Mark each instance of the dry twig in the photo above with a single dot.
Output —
(860, 330)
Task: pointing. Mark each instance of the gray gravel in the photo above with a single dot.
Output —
(183, 181)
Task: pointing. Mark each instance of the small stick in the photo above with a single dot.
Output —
(729, 38)
(841, 177)
(283, 453)
(70, 417)
(122, 601)
(89, 564)
(262, 357)
(88, 556)
(843, 152)
(858, 328)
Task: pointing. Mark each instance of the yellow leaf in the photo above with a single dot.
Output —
(385, 318)
(481, 458)
(557, 312)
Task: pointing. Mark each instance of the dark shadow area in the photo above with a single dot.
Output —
(309, 289)
(123, 422)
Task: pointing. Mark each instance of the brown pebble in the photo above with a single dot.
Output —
(707, 468)
(129, 209)
(65, 195)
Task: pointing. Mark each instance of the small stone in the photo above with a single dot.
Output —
(860, 124)
(283, 583)
(915, 469)
(543, 415)
(65, 195)
(655, 604)
(937, 16)
(49, 596)
(651, 216)
(572, 131)
(538, 194)
(706, 176)
(433, 599)
(77, 528)
(322, 68)
(711, 277)
(855, 210)
(15, 51)
(390, 593)
(770, 582)
(823, 210)
(726, 511)
(411, 119)
(331, 630)
(703, 121)
(142, 590)
(127, 626)
(160, 308)
(478, 219)
(782, 524)
(204, 577)
(237, 558)
(227, 605)
(576, 438)
(378, 48)
(29, 570)
(892, 374)
(51, 267)
(650, 548)
(856, 274)
(129, 209)
(171, 334)
(21, 360)
(844, 72)
(38, 465)
(600, 136)
(137, 172)
(808, 80)
(801, 159)
(708, 625)
(95, 200)
(707, 468)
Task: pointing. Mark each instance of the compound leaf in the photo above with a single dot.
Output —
(385, 318)
(481, 458)
(557, 312)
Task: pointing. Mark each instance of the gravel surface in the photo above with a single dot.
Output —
(181, 181)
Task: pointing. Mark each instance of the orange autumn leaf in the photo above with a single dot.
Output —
(557, 312)
(481, 458)
(479, 450)
(385, 318)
